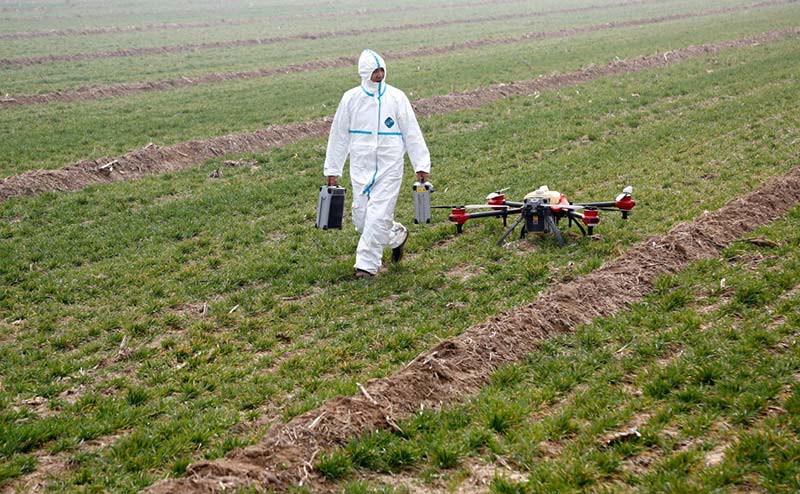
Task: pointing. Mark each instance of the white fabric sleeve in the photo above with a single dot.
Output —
(412, 135)
(338, 140)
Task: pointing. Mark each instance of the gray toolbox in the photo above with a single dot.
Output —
(330, 208)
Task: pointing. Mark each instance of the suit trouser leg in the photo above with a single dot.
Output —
(377, 211)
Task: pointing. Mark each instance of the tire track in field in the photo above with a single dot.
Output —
(90, 93)
(191, 47)
(243, 22)
(153, 159)
(460, 366)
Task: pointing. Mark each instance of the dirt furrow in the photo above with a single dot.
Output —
(90, 93)
(459, 366)
(190, 47)
(154, 159)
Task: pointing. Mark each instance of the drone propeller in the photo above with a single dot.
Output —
(626, 192)
(496, 193)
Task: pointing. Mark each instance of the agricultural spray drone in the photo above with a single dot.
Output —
(540, 212)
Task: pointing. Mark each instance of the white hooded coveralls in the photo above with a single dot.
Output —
(375, 124)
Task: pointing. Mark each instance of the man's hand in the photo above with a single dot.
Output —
(333, 180)
(423, 176)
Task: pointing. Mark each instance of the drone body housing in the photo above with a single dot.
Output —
(534, 214)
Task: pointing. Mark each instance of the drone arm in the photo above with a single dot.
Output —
(493, 214)
(624, 206)
(597, 205)
(487, 214)
(459, 216)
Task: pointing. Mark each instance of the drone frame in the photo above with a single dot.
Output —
(540, 216)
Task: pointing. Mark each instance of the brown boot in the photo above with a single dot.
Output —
(360, 273)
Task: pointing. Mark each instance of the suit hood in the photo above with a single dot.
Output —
(367, 63)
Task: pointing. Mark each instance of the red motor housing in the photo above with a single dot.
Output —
(591, 217)
(496, 200)
(625, 203)
(458, 216)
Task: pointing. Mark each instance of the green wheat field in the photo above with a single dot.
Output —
(149, 324)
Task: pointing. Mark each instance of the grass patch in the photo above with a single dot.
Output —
(52, 136)
(724, 420)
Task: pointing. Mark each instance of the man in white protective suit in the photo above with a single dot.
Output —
(375, 124)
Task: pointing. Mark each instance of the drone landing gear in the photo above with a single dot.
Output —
(551, 225)
(573, 220)
(508, 232)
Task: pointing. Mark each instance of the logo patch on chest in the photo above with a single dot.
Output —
(389, 122)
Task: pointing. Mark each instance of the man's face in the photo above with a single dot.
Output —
(377, 75)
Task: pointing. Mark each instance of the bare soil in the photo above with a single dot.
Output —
(50, 466)
(192, 47)
(154, 159)
(88, 93)
(458, 367)
(478, 477)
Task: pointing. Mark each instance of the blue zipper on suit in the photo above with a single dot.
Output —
(377, 130)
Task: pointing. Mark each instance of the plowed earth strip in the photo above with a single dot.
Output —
(459, 366)
(162, 50)
(153, 159)
(242, 22)
(117, 90)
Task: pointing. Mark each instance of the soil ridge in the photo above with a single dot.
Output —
(89, 31)
(153, 159)
(90, 93)
(191, 47)
(459, 366)
(306, 15)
